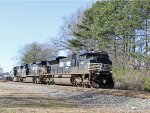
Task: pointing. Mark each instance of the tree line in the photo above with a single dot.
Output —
(120, 27)
(35, 52)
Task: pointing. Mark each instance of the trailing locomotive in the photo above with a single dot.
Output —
(84, 69)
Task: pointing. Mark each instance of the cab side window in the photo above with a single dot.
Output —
(82, 57)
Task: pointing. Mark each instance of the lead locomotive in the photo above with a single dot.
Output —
(86, 69)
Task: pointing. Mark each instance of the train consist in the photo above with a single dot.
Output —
(84, 69)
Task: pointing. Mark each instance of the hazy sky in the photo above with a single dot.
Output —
(26, 21)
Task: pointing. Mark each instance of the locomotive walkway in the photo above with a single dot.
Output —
(19, 97)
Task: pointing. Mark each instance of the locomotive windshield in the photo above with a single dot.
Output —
(98, 58)
(94, 55)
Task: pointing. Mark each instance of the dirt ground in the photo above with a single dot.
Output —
(27, 101)
(16, 101)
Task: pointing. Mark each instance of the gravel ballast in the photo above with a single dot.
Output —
(84, 98)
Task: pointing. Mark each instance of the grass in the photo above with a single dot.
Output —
(147, 84)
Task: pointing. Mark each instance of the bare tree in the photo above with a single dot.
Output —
(36, 52)
(67, 30)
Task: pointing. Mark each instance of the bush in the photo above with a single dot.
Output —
(131, 79)
(147, 84)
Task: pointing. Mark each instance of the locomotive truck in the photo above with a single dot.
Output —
(84, 69)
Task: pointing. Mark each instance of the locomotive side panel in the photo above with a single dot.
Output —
(81, 69)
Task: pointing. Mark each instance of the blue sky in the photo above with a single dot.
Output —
(27, 21)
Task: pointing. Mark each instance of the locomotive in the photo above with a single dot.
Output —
(83, 69)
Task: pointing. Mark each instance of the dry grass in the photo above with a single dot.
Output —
(131, 79)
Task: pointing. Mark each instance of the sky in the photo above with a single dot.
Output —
(26, 21)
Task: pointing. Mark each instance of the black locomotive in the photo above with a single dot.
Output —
(84, 69)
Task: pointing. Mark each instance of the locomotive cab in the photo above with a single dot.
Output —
(96, 67)
(94, 61)
(99, 62)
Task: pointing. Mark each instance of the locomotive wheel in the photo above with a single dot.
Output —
(50, 81)
(103, 81)
(79, 82)
(79, 85)
(107, 81)
(74, 81)
(24, 79)
(21, 80)
(95, 84)
(36, 80)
